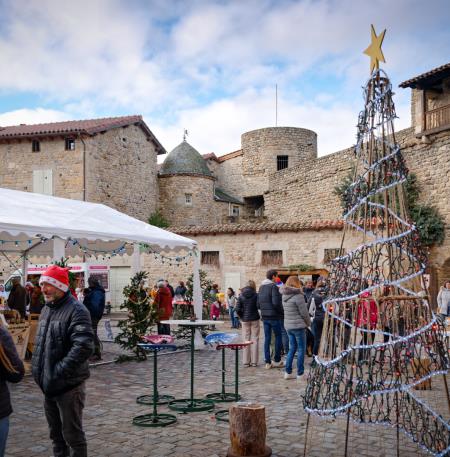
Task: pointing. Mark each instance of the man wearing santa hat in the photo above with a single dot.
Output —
(63, 345)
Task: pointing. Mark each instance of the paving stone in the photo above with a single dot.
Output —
(111, 404)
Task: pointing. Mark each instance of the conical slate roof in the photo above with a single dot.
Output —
(184, 159)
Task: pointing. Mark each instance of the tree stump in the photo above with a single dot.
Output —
(248, 431)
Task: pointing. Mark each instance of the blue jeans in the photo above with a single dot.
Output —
(284, 338)
(234, 320)
(4, 429)
(317, 327)
(297, 340)
(269, 326)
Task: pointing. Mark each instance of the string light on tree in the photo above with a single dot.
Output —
(380, 337)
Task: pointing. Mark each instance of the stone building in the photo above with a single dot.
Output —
(291, 215)
(99, 160)
(269, 204)
(188, 191)
(111, 161)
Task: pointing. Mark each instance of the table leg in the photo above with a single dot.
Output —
(192, 364)
(236, 375)
(155, 382)
(191, 404)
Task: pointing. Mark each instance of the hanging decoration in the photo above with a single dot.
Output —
(380, 337)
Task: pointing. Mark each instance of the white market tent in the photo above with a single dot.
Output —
(42, 225)
(25, 215)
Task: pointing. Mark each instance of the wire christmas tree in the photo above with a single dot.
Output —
(381, 342)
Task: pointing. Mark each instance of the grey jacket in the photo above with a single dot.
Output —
(296, 314)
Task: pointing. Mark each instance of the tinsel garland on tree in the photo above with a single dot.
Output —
(380, 337)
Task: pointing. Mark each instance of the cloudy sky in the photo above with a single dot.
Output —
(211, 66)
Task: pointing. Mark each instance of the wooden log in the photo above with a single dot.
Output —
(421, 369)
(248, 431)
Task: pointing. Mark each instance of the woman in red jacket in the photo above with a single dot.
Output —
(367, 318)
(163, 302)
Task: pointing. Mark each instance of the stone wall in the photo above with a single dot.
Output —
(241, 253)
(203, 209)
(18, 163)
(261, 147)
(305, 193)
(122, 171)
(229, 176)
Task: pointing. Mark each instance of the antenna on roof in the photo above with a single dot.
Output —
(185, 134)
(276, 105)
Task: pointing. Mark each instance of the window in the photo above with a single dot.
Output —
(272, 258)
(188, 199)
(330, 254)
(234, 210)
(282, 162)
(210, 258)
(35, 146)
(70, 144)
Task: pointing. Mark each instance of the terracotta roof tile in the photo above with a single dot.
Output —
(230, 155)
(210, 155)
(259, 227)
(443, 70)
(87, 127)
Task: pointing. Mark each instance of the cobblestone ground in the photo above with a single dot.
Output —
(111, 404)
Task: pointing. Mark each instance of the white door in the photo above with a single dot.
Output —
(43, 182)
(233, 280)
(119, 278)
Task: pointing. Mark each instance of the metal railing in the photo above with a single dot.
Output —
(437, 118)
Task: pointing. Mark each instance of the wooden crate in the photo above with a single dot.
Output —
(20, 334)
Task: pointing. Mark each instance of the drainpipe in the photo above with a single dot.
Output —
(84, 179)
(84, 166)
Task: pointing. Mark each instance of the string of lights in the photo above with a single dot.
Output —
(373, 295)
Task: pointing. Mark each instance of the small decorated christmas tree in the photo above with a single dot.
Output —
(141, 316)
(186, 311)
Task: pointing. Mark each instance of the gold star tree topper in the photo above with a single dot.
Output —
(374, 50)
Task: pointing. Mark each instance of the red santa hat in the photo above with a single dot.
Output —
(56, 276)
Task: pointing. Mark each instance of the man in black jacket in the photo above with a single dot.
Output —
(64, 342)
(94, 301)
(271, 308)
(315, 306)
(18, 298)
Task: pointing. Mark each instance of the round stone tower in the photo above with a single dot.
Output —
(272, 149)
(186, 187)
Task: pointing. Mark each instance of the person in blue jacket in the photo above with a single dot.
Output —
(94, 301)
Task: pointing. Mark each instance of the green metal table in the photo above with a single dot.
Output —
(192, 404)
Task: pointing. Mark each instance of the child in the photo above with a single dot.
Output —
(215, 310)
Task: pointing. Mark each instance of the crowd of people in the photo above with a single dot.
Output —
(66, 338)
(286, 312)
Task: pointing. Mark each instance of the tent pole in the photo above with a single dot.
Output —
(197, 298)
(59, 249)
(135, 259)
(24, 269)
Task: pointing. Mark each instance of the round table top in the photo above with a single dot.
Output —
(188, 323)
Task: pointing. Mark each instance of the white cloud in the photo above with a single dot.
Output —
(211, 66)
(32, 116)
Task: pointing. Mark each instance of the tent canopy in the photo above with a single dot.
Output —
(27, 217)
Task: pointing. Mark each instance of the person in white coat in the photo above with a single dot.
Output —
(443, 299)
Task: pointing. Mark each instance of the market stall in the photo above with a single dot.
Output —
(52, 228)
